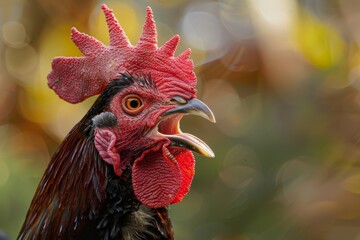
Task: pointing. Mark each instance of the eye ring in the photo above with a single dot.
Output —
(132, 104)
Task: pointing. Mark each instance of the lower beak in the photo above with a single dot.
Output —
(186, 140)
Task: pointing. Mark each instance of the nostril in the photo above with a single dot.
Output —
(177, 100)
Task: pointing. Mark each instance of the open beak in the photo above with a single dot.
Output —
(169, 126)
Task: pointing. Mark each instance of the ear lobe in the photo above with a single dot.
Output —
(105, 144)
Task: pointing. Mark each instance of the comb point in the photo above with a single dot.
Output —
(185, 55)
(104, 7)
(87, 45)
(169, 47)
(117, 34)
(149, 34)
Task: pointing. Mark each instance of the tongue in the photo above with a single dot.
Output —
(156, 178)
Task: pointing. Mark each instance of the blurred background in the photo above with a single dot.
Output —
(282, 77)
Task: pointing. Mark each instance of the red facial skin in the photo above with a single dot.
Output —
(160, 175)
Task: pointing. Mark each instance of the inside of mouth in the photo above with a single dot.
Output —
(170, 126)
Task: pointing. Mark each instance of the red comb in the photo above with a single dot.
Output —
(76, 78)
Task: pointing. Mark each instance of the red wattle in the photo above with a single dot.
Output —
(186, 162)
(156, 179)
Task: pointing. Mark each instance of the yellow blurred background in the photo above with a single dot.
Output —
(282, 77)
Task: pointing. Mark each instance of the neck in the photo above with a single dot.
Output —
(119, 203)
(124, 217)
(80, 197)
(71, 190)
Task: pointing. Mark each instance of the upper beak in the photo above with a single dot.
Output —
(193, 107)
(185, 140)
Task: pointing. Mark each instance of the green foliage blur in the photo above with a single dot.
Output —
(283, 80)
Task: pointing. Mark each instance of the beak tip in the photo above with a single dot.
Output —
(209, 153)
(210, 116)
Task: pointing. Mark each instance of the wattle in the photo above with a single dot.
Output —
(159, 180)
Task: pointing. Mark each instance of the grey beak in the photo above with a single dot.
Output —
(193, 107)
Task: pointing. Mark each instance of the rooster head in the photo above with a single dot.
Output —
(145, 91)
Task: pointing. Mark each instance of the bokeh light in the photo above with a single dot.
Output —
(14, 34)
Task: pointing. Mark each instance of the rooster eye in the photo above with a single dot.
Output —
(132, 104)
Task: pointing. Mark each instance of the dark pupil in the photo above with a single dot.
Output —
(134, 103)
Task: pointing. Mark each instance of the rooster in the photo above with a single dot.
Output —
(119, 168)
